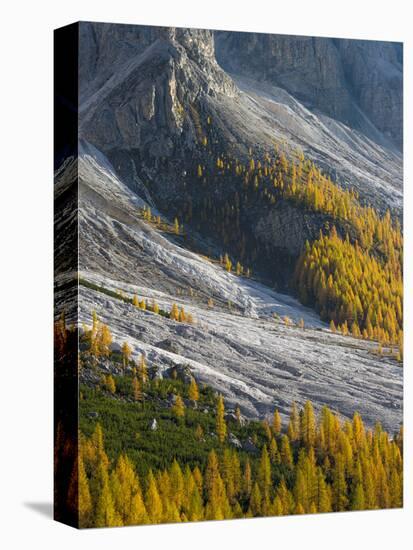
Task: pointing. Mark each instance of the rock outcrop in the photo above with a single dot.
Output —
(136, 95)
(358, 82)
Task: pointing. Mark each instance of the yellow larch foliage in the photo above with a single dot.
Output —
(221, 425)
(286, 455)
(238, 414)
(84, 497)
(136, 388)
(126, 354)
(332, 465)
(142, 369)
(193, 392)
(255, 503)
(276, 422)
(264, 474)
(108, 382)
(126, 490)
(174, 313)
(274, 453)
(294, 423)
(178, 407)
(308, 425)
(182, 315)
(351, 287)
(100, 337)
(105, 512)
(153, 502)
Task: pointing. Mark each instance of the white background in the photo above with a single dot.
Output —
(26, 271)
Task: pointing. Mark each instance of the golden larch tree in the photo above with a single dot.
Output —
(178, 407)
(126, 354)
(276, 423)
(221, 425)
(193, 392)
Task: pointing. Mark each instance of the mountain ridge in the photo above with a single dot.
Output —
(162, 123)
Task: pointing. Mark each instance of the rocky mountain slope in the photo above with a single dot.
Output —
(149, 97)
(157, 103)
(357, 82)
(236, 346)
(145, 93)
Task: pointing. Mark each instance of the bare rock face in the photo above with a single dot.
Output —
(287, 228)
(281, 233)
(137, 83)
(146, 93)
(104, 48)
(375, 72)
(357, 82)
(305, 66)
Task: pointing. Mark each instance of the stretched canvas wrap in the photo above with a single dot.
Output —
(228, 275)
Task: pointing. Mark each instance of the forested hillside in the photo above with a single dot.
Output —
(156, 450)
(352, 273)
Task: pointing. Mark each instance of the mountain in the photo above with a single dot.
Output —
(240, 345)
(147, 94)
(147, 91)
(189, 143)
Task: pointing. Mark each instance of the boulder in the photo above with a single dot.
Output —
(168, 345)
(233, 440)
(183, 372)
